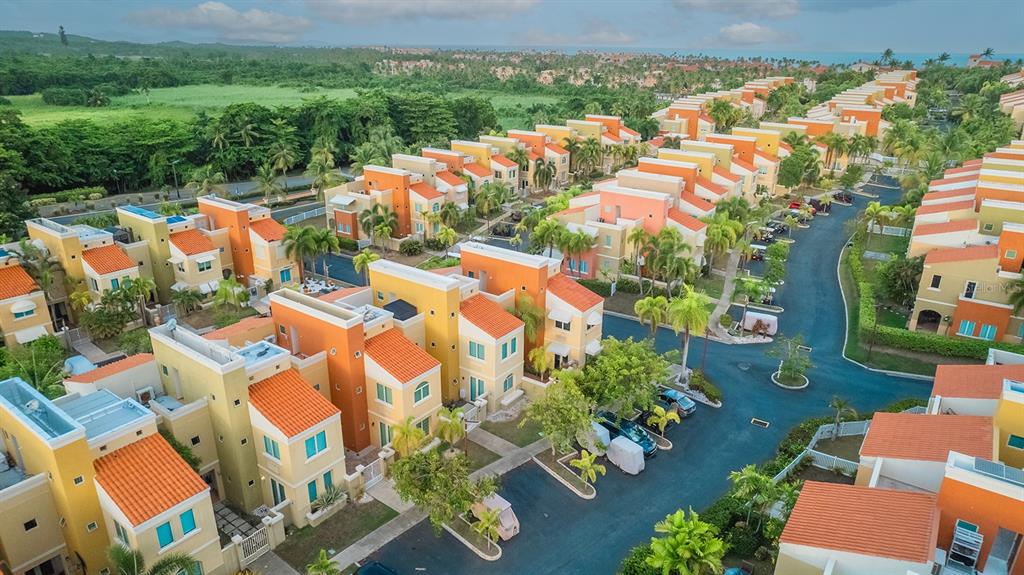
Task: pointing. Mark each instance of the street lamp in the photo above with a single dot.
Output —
(177, 192)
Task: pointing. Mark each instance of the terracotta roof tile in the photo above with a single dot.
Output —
(147, 478)
(946, 194)
(15, 281)
(927, 437)
(556, 149)
(766, 156)
(955, 172)
(945, 207)
(269, 229)
(946, 227)
(875, 522)
(974, 381)
(477, 170)
(240, 327)
(611, 136)
(572, 292)
(398, 356)
(449, 178)
(711, 186)
(720, 171)
(954, 180)
(686, 220)
(113, 368)
(426, 191)
(290, 403)
(192, 242)
(629, 131)
(697, 202)
(487, 315)
(744, 164)
(974, 162)
(108, 259)
(503, 161)
(943, 255)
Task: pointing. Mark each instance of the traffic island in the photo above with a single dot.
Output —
(462, 530)
(790, 382)
(558, 468)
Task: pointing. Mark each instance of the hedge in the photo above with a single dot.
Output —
(72, 194)
(348, 245)
(904, 338)
(601, 288)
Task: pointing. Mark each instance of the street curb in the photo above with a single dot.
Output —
(568, 485)
(472, 547)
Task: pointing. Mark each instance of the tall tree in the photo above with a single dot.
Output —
(688, 314)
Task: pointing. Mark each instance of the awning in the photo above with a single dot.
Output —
(23, 306)
(558, 348)
(214, 285)
(342, 200)
(594, 319)
(204, 288)
(204, 259)
(559, 315)
(30, 334)
(176, 260)
(180, 286)
(594, 347)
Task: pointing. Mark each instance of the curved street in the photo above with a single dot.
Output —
(562, 533)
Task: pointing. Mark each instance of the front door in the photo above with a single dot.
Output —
(277, 490)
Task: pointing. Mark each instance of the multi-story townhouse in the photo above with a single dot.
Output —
(258, 257)
(1012, 104)
(688, 116)
(541, 146)
(493, 343)
(24, 310)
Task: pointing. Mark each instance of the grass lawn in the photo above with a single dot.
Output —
(713, 286)
(812, 473)
(847, 447)
(479, 456)
(887, 244)
(213, 316)
(435, 262)
(511, 432)
(343, 529)
(892, 318)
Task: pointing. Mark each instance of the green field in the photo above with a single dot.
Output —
(182, 102)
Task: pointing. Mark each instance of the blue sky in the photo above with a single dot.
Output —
(685, 26)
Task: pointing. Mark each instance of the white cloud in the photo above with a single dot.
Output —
(747, 34)
(364, 10)
(743, 8)
(593, 32)
(252, 25)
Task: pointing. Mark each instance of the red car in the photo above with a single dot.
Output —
(795, 205)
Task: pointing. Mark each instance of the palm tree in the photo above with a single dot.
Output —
(548, 233)
(267, 183)
(219, 139)
(591, 154)
(722, 233)
(530, 314)
(450, 214)
(660, 418)
(486, 525)
(41, 266)
(589, 470)
(450, 426)
(638, 238)
(361, 263)
(843, 408)
(875, 212)
(447, 236)
(323, 565)
(283, 157)
(229, 292)
(299, 244)
(387, 221)
(323, 151)
(835, 146)
(544, 173)
(140, 289)
(576, 244)
(791, 222)
(248, 134)
(690, 546)
(126, 561)
(573, 147)
(653, 310)
(80, 299)
(756, 489)
(186, 300)
(369, 218)
(987, 52)
(326, 243)
(688, 314)
(205, 180)
(366, 155)
(322, 177)
(406, 437)
(539, 360)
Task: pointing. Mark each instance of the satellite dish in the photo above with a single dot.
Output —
(32, 405)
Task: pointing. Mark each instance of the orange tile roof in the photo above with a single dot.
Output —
(503, 161)
(611, 136)
(686, 220)
(477, 170)
(974, 162)
(572, 293)
(15, 281)
(192, 242)
(946, 194)
(945, 207)
(657, 141)
(290, 403)
(146, 478)
(945, 227)
(113, 368)
(766, 156)
(954, 180)
(927, 437)
(342, 293)
(744, 164)
(785, 146)
(964, 170)
(240, 327)
(557, 149)
(426, 191)
(875, 522)
(711, 186)
(720, 171)
(974, 381)
(449, 178)
(487, 315)
(707, 118)
(398, 356)
(108, 259)
(943, 255)
(572, 210)
(269, 229)
(697, 202)
(629, 131)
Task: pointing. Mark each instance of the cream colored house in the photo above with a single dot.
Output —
(573, 325)
(492, 345)
(196, 261)
(24, 312)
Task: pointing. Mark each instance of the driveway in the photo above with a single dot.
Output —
(564, 534)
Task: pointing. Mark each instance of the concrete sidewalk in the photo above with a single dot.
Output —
(725, 302)
(492, 442)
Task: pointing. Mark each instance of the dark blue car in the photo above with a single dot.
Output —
(629, 429)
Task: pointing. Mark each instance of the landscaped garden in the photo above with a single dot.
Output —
(511, 430)
(339, 531)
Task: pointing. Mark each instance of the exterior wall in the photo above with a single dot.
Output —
(124, 383)
(398, 182)
(346, 224)
(925, 475)
(403, 397)
(190, 377)
(560, 135)
(767, 140)
(947, 300)
(686, 170)
(155, 233)
(499, 276)
(652, 212)
(237, 224)
(804, 560)
(66, 248)
(1009, 420)
(101, 283)
(493, 370)
(269, 260)
(23, 502)
(9, 324)
(481, 153)
(192, 426)
(578, 335)
(188, 270)
(987, 509)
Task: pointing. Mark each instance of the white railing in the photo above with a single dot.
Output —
(254, 546)
(832, 462)
(469, 414)
(789, 468)
(373, 473)
(304, 216)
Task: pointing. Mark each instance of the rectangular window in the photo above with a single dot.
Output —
(188, 522)
(114, 284)
(1015, 441)
(476, 388)
(95, 286)
(566, 326)
(435, 208)
(164, 535)
(419, 208)
(513, 343)
(310, 447)
(278, 492)
(497, 174)
(969, 290)
(321, 441)
(584, 267)
(1011, 254)
(26, 313)
(385, 434)
(422, 392)
(204, 266)
(476, 350)
(328, 480)
(286, 275)
(271, 447)
(384, 393)
(504, 350)
(424, 425)
(607, 241)
(936, 280)
(966, 328)
(311, 491)
(987, 332)
(121, 532)
(507, 384)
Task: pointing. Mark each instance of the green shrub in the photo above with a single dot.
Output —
(64, 96)
(5, 101)
(348, 245)
(135, 341)
(434, 244)
(410, 248)
(39, 202)
(744, 540)
(699, 382)
(601, 288)
(74, 194)
(636, 562)
(724, 513)
(627, 286)
(95, 196)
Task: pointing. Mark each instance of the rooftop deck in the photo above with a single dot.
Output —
(102, 412)
(38, 412)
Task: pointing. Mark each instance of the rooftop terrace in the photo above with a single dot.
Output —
(142, 212)
(102, 412)
(35, 410)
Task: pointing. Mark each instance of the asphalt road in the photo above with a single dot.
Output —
(562, 533)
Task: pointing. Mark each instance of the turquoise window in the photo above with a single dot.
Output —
(321, 441)
(507, 384)
(476, 350)
(271, 447)
(424, 425)
(26, 313)
(987, 332)
(114, 284)
(311, 491)
(310, 447)
(422, 392)
(286, 275)
(328, 480)
(188, 522)
(384, 393)
(513, 343)
(504, 350)
(164, 535)
(966, 328)
(476, 388)
(1015, 441)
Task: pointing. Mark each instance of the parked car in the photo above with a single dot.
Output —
(796, 205)
(778, 227)
(757, 256)
(628, 429)
(677, 399)
(375, 568)
(844, 197)
(815, 205)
